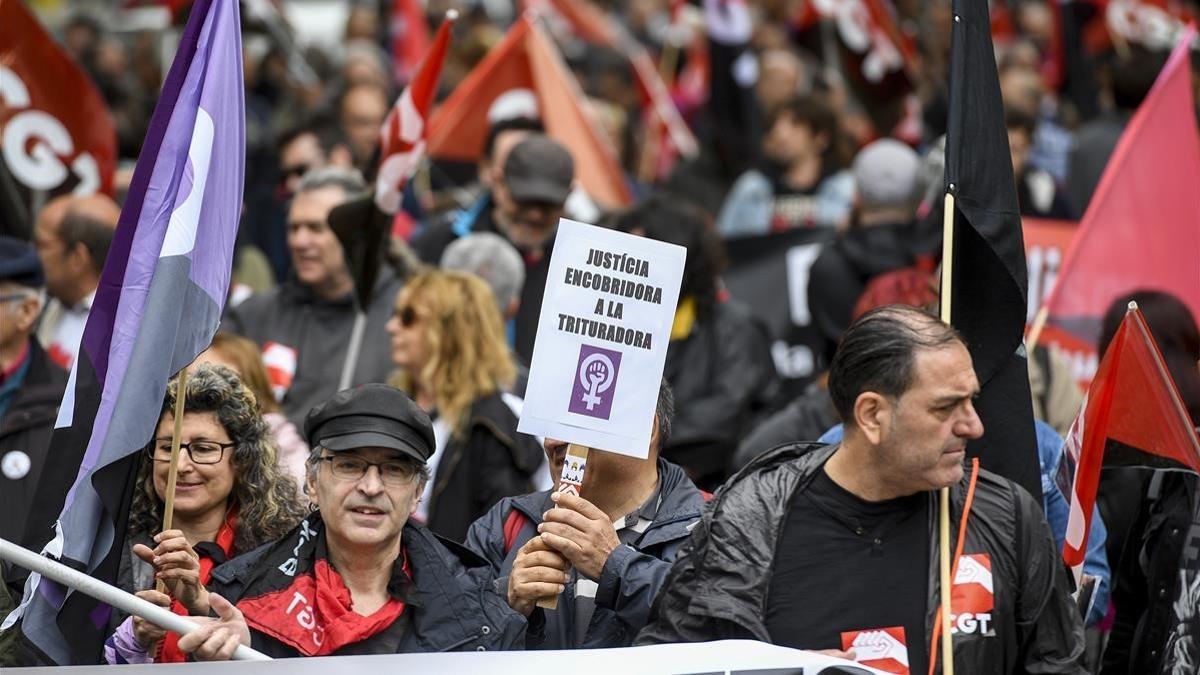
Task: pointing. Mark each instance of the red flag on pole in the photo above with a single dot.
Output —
(1132, 413)
(1142, 227)
(527, 59)
(57, 133)
(402, 138)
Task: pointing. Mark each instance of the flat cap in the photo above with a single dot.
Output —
(371, 416)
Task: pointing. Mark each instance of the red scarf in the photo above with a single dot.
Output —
(169, 653)
(315, 614)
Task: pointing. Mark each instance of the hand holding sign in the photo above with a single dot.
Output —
(579, 531)
(597, 362)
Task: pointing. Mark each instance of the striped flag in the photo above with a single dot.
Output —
(158, 305)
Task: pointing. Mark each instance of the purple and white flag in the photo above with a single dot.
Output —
(158, 305)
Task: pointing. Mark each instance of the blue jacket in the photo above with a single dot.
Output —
(629, 582)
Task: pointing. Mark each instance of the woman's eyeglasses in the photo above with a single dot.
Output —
(408, 316)
(200, 452)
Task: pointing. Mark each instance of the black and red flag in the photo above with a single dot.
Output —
(989, 280)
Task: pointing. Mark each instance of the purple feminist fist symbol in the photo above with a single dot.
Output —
(595, 382)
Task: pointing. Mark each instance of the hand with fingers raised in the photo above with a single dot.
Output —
(177, 565)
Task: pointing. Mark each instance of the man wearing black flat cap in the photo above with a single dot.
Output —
(357, 576)
(31, 385)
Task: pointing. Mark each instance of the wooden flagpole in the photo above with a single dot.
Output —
(944, 510)
(571, 481)
(173, 473)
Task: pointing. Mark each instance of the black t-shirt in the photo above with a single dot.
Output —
(844, 565)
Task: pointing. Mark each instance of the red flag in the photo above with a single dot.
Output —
(1133, 411)
(402, 138)
(527, 59)
(409, 37)
(1142, 227)
(57, 133)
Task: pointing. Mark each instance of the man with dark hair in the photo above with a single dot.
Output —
(834, 547)
(304, 326)
(72, 235)
(617, 543)
(801, 184)
(358, 576)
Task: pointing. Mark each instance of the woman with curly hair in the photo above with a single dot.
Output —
(230, 497)
(448, 340)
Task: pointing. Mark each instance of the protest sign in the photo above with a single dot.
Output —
(602, 338)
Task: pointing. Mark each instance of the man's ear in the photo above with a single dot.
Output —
(416, 498)
(872, 415)
(78, 258)
(310, 485)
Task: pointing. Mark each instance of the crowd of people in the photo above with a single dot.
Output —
(345, 491)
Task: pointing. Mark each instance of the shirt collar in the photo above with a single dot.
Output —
(647, 511)
(12, 369)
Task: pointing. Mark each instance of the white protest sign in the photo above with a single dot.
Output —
(602, 338)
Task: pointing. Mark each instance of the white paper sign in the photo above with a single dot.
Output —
(602, 338)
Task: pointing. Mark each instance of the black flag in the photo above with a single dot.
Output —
(988, 281)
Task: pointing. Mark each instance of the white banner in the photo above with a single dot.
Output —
(602, 338)
(728, 657)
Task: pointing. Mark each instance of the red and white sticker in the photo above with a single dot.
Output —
(880, 648)
(280, 361)
(972, 597)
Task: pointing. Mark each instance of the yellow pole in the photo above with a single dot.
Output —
(1035, 329)
(944, 515)
(173, 473)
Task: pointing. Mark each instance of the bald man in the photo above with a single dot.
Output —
(72, 235)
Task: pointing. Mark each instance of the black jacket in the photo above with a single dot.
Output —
(804, 419)
(723, 378)
(319, 331)
(26, 428)
(840, 274)
(490, 462)
(629, 582)
(718, 587)
(450, 606)
(1147, 578)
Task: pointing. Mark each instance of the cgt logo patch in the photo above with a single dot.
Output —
(880, 648)
(972, 598)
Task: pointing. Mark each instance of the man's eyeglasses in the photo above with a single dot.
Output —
(351, 468)
(200, 452)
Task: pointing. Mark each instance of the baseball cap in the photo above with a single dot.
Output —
(538, 169)
(887, 173)
(19, 263)
(372, 415)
